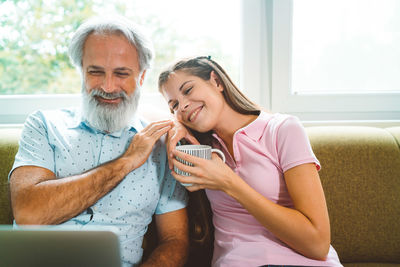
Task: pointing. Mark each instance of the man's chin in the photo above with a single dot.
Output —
(109, 107)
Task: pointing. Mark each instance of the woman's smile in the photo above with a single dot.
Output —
(192, 117)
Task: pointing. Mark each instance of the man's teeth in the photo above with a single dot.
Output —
(109, 98)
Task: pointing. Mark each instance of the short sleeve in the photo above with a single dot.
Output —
(293, 145)
(34, 148)
(173, 194)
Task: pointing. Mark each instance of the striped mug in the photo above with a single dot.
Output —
(201, 151)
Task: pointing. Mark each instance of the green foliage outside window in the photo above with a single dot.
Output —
(34, 38)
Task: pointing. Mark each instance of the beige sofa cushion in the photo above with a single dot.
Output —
(8, 149)
(361, 178)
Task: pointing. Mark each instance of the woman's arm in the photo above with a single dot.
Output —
(305, 228)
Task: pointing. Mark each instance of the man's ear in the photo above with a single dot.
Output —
(141, 78)
(215, 80)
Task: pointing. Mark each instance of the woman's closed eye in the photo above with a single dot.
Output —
(174, 105)
(187, 90)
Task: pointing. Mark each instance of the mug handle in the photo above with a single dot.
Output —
(219, 152)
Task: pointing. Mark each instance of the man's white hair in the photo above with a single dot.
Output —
(108, 26)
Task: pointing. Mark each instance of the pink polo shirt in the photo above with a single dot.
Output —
(263, 151)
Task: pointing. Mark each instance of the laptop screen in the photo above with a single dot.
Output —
(56, 246)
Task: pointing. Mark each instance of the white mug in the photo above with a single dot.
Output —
(201, 151)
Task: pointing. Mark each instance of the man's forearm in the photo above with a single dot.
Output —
(38, 197)
(54, 200)
(171, 253)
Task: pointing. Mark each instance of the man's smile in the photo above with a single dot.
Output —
(115, 100)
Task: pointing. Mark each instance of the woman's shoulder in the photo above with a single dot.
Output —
(278, 121)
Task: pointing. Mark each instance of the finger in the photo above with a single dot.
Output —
(196, 183)
(193, 187)
(183, 167)
(160, 132)
(215, 156)
(192, 139)
(173, 141)
(148, 126)
(183, 178)
(187, 157)
(160, 125)
(175, 134)
(154, 126)
(170, 147)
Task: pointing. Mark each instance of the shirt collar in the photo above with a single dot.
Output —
(255, 129)
(76, 118)
(77, 121)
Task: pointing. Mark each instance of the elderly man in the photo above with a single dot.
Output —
(101, 165)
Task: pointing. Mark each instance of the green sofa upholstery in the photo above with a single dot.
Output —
(361, 178)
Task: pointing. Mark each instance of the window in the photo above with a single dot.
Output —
(34, 36)
(321, 60)
(325, 60)
(354, 47)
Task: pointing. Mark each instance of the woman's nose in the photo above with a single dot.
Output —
(184, 106)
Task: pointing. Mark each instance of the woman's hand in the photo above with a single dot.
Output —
(175, 134)
(205, 174)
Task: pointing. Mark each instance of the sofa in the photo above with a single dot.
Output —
(361, 178)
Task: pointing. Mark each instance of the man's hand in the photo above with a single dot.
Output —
(143, 142)
(178, 132)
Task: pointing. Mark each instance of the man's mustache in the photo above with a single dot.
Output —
(100, 92)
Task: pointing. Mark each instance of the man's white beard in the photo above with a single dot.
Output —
(109, 117)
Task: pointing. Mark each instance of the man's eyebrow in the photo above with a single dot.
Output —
(94, 67)
(116, 69)
(123, 69)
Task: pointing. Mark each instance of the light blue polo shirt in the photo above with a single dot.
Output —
(60, 141)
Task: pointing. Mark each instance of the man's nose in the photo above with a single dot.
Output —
(109, 85)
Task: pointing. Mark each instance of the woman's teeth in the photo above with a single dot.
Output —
(194, 114)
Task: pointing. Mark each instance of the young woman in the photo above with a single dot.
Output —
(267, 200)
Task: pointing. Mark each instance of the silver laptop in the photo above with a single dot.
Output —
(58, 247)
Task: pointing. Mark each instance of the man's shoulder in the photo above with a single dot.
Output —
(54, 116)
(71, 112)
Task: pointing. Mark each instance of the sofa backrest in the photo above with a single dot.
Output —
(361, 178)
